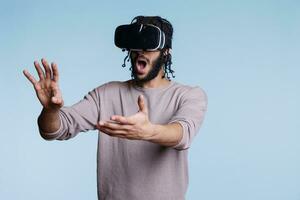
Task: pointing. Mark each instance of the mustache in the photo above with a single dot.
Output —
(142, 57)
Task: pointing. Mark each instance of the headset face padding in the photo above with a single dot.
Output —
(138, 37)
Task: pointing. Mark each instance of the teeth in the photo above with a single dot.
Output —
(142, 60)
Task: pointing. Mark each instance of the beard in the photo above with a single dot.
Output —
(156, 67)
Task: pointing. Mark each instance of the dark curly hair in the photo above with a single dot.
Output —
(167, 28)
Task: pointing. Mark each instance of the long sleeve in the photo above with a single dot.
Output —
(79, 117)
(190, 115)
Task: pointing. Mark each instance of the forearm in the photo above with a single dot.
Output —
(49, 120)
(166, 135)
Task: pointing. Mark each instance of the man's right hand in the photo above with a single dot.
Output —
(46, 88)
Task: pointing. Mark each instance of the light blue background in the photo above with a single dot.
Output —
(245, 54)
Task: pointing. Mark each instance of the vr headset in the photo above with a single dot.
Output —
(141, 37)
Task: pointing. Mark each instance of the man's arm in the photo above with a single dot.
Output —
(56, 121)
(166, 135)
(178, 133)
(48, 93)
(138, 127)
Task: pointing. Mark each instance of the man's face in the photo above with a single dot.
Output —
(146, 65)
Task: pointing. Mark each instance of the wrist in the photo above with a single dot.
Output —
(151, 132)
(51, 109)
(166, 135)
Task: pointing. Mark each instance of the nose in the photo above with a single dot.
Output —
(141, 52)
(138, 53)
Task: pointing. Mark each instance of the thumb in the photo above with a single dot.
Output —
(57, 97)
(142, 104)
(57, 100)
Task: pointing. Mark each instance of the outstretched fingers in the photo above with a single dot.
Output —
(47, 68)
(39, 70)
(55, 72)
(121, 119)
(30, 77)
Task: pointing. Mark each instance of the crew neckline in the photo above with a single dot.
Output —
(161, 88)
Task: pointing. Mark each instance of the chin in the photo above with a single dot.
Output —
(140, 78)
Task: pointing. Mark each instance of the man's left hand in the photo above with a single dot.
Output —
(135, 127)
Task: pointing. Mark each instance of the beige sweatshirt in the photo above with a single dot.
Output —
(134, 169)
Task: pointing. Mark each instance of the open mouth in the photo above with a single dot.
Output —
(141, 64)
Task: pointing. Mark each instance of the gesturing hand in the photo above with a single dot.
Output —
(135, 127)
(46, 88)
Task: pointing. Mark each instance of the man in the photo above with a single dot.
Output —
(146, 124)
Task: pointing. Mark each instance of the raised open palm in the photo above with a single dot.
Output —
(47, 88)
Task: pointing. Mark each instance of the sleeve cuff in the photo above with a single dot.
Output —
(183, 143)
